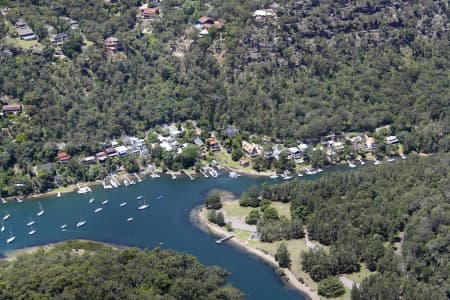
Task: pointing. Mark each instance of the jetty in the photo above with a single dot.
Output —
(204, 173)
(106, 186)
(137, 177)
(189, 175)
(225, 238)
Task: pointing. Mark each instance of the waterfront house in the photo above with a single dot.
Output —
(59, 38)
(231, 131)
(63, 157)
(112, 45)
(101, 156)
(250, 149)
(337, 146)
(295, 153)
(72, 23)
(110, 152)
(244, 162)
(268, 154)
(12, 108)
(121, 150)
(370, 143)
(392, 139)
(89, 160)
(205, 22)
(213, 144)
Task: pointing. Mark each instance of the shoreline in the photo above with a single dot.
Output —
(198, 219)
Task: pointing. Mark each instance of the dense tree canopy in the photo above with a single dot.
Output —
(86, 270)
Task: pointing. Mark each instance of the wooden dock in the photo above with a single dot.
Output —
(225, 238)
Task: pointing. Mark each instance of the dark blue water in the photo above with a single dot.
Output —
(165, 224)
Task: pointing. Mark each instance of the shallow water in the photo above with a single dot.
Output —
(165, 224)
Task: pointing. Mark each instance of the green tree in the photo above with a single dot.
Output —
(331, 287)
(253, 217)
(212, 200)
(282, 256)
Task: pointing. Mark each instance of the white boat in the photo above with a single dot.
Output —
(126, 183)
(130, 219)
(104, 202)
(58, 195)
(4, 201)
(41, 210)
(403, 156)
(319, 170)
(310, 172)
(391, 159)
(31, 222)
(350, 164)
(63, 226)
(213, 172)
(98, 209)
(140, 197)
(6, 217)
(234, 175)
(2, 228)
(114, 183)
(377, 162)
(10, 239)
(32, 231)
(19, 200)
(160, 197)
(173, 176)
(362, 162)
(137, 177)
(123, 204)
(91, 200)
(81, 223)
(300, 174)
(154, 175)
(106, 186)
(143, 206)
(274, 176)
(132, 182)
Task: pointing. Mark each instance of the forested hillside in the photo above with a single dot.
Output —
(394, 218)
(302, 70)
(87, 270)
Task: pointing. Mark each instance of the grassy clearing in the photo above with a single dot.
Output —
(233, 209)
(361, 275)
(17, 42)
(284, 209)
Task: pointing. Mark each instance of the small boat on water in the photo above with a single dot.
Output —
(6, 217)
(4, 201)
(350, 164)
(105, 202)
(391, 159)
(41, 210)
(123, 204)
(274, 176)
(81, 223)
(403, 156)
(234, 175)
(160, 197)
(98, 209)
(31, 222)
(362, 162)
(2, 228)
(11, 238)
(114, 183)
(143, 206)
(91, 200)
(300, 174)
(377, 162)
(84, 190)
(140, 197)
(58, 195)
(225, 238)
(154, 175)
(130, 219)
(310, 172)
(32, 231)
(213, 172)
(19, 200)
(126, 183)
(286, 175)
(319, 170)
(63, 226)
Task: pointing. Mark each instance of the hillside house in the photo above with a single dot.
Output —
(392, 139)
(231, 131)
(244, 162)
(250, 149)
(12, 109)
(110, 152)
(112, 45)
(204, 23)
(148, 13)
(294, 152)
(58, 39)
(370, 143)
(63, 157)
(25, 33)
(101, 156)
